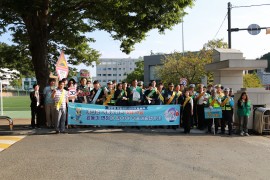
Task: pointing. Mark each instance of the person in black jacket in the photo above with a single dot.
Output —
(37, 103)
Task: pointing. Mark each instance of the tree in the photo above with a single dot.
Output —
(266, 57)
(252, 81)
(176, 66)
(46, 26)
(138, 72)
(190, 65)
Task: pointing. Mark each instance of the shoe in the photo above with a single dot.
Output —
(241, 134)
(57, 132)
(229, 133)
(246, 134)
(63, 132)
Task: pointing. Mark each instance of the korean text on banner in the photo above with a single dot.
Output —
(154, 115)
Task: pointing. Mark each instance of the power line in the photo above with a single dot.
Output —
(251, 5)
(221, 25)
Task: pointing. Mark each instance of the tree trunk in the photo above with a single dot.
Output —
(38, 35)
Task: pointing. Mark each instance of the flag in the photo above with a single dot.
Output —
(267, 30)
(62, 67)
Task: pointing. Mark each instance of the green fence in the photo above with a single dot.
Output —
(17, 106)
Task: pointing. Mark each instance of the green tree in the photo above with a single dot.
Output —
(138, 72)
(46, 26)
(252, 81)
(190, 65)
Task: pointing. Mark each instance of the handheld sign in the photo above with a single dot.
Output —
(62, 67)
(212, 113)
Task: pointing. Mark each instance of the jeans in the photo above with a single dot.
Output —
(243, 121)
(60, 116)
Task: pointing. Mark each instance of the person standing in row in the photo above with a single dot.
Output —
(213, 102)
(243, 113)
(160, 94)
(187, 107)
(120, 95)
(135, 94)
(109, 94)
(49, 103)
(36, 107)
(60, 96)
(96, 94)
(83, 92)
(149, 95)
(201, 101)
(227, 111)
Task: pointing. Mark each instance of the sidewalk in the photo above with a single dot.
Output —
(23, 127)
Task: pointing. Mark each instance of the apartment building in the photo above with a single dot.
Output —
(114, 69)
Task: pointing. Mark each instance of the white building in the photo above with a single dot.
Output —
(7, 75)
(116, 69)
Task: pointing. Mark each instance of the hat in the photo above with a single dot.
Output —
(109, 83)
(192, 85)
(140, 83)
(96, 82)
(218, 85)
(170, 84)
(227, 89)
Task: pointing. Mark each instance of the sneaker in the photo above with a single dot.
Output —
(246, 134)
(242, 134)
(57, 132)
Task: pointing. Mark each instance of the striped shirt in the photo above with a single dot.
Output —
(57, 96)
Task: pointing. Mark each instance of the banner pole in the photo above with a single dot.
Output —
(213, 126)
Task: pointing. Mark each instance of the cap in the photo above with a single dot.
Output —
(192, 85)
(109, 83)
(96, 82)
(227, 89)
(170, 84)
(218, 85)
(140, 83)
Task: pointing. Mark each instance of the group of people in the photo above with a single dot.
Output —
(192, 100)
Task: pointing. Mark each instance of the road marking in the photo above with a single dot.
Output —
(7, 141)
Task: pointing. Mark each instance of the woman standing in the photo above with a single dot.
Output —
(120, 95)
(243, 112)
(187, 112)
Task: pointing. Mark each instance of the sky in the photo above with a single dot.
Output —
(201, 24)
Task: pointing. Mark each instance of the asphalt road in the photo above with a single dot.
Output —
(122, 155)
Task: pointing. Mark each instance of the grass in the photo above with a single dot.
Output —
(16, 103)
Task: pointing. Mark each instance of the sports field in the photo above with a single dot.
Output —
(16, 103)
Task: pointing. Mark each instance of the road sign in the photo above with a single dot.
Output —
(183, 81)
(254, 29)
(62, 67)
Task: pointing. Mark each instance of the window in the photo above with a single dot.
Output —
(109, 74)
(104, 75)
(115, 69)
(104, 69)
(114, 74)
(104, 81)
(109, 68)
(98, 74)
(130, 68)
(119, 74)
(124, 68)
(119, 68)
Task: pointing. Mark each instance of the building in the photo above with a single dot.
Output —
(27, 83)
(117, 69)
(150, 62)
(7, 75)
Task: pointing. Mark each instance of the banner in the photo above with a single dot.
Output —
(62, 67)
(212, 113)
(154, 115)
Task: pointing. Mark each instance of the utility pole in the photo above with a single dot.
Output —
(229, 26)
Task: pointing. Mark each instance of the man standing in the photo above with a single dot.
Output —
(83, 92)
(60, 97)
(97, 94)
(36, 107)
(149, 95)
(201, 99)
(49, 103)
(135, 93)
(227, 111)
